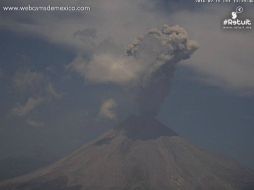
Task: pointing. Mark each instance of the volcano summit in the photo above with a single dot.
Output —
(140, 154)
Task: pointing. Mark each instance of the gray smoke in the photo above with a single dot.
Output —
(160, 50)
(146, 69)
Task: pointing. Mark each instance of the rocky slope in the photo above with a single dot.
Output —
(140, 154)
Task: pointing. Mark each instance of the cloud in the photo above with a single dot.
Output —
(218, 60)
(34, 123)
(33, 83)
(225, 58)
(146, 68)
(116, 19)
(29, 106)
(27, 80)
(107, 109)
(107, 68)
(156, 49)
(36, 88)
(53, 92)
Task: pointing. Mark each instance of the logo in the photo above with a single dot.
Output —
(239, 10)
(236, 21)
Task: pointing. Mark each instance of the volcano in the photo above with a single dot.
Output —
(139, 154)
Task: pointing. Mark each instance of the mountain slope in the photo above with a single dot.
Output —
(140, 154)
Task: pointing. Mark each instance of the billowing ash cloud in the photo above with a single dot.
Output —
(159, 51)
(146, 69)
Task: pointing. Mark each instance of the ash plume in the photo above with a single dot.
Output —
(160, 51)
(146, 69)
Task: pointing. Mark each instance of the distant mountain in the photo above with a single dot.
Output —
(139, 154)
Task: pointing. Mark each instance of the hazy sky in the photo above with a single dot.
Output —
(51, 101)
